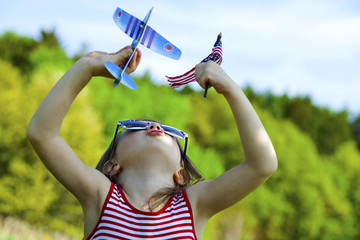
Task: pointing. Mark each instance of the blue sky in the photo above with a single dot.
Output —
(294, 47)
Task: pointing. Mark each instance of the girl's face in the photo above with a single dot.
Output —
(148, 146)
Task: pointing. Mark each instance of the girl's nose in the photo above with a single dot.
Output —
(154, 126)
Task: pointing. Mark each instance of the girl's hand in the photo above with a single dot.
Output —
(96, 61)
(213, 74)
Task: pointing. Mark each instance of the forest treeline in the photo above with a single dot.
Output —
(313, 195)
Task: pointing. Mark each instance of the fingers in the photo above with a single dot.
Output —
(212, 74)
(124, 53)
(97, 60)
(121, 57)
(127, 48)
(202, 75)
(135, 61)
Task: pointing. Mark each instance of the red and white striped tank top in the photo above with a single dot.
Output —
(120, 220)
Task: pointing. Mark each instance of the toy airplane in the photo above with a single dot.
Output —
(141, 33)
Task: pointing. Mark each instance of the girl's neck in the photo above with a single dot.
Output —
(140, 184)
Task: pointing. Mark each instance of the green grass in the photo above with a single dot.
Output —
(8, 238)
(14, 229)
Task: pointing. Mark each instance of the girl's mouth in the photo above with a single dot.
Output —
(155, 132)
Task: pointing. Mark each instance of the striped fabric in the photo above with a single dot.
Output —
(189, 76)
(120, 220)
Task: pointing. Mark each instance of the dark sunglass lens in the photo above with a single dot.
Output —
(173, 131)
(132, 124)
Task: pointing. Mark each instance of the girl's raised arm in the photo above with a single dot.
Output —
(260, 162)
(43, 130)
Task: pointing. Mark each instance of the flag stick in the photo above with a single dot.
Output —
(206, 89)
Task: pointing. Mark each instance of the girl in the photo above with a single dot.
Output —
(126, 199)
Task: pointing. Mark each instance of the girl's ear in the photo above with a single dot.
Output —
(111, 168)
(180, 177)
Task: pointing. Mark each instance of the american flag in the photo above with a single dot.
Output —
(189, 76)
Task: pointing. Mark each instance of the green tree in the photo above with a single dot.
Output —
(356, 130)
(328, 129)
(13, 121)
(28, 190)
(49, 59)
(346, 161)
(305, 198)
(17, 49)
(23, 180)
(213, 126)
(49, 39)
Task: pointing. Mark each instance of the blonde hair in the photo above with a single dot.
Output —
(192, 174)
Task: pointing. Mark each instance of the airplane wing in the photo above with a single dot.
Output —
(151, 39)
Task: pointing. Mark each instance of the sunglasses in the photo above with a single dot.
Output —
(141, 125)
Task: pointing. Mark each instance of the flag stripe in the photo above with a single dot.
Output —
(189, 76)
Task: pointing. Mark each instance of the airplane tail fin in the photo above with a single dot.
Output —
(120, 75)
(127, 81)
